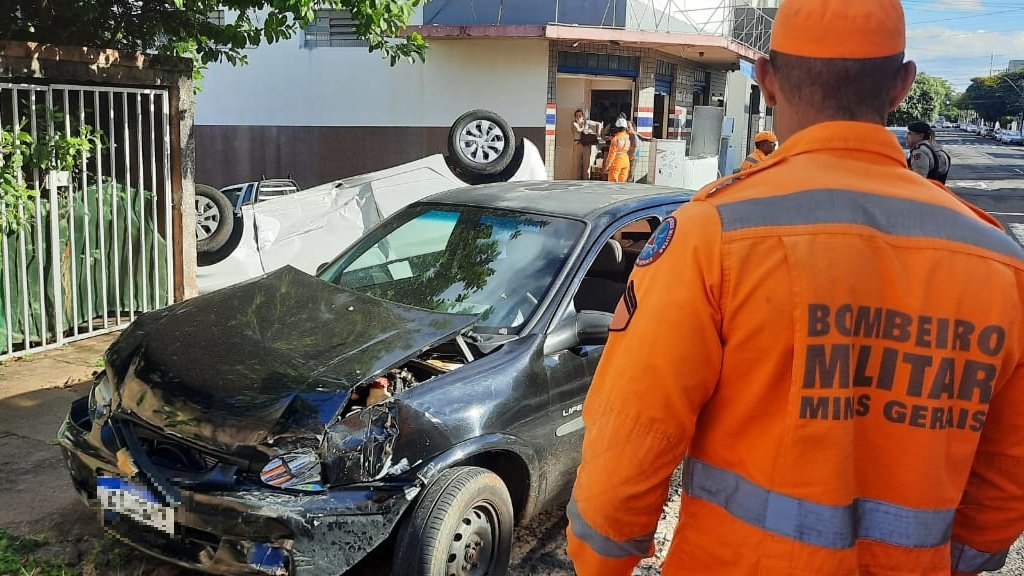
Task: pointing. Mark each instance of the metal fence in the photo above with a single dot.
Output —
(93, 249)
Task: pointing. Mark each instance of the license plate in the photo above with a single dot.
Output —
(135, 501)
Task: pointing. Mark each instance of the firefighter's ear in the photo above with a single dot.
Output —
(767, 80)
(907, 74)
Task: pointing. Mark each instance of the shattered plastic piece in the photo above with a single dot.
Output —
(269, 559)
(411, 492)
(402, 466)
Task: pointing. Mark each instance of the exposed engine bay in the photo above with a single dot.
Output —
(430, 364)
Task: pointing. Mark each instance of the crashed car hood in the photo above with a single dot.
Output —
(275, 356)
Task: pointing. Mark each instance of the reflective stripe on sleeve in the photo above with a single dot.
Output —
(752, 160)
(836, 527)
(967, 559)
(894, 216)
(603, 545)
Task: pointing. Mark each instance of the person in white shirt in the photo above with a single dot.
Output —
(584, 135)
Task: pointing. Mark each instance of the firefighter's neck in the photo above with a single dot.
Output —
(792, 119)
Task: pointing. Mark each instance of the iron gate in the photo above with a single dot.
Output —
(93, 249)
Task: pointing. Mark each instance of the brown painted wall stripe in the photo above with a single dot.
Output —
(313, 155)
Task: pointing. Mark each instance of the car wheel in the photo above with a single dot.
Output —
(461, 526)
(213, 219)
(481, 143)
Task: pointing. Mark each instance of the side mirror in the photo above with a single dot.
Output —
(587, 328)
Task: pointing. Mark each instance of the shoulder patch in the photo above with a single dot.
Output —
(658, 242)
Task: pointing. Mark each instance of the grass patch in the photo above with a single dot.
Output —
(16, 558)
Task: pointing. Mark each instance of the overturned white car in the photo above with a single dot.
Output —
(247, 230)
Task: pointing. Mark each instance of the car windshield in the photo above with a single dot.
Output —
(495, 263)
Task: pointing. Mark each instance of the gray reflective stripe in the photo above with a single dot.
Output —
(895, 216)
(753, 160)
(602, 544)
(967, 559)
(837, 527)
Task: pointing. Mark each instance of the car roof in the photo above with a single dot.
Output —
(583, 200)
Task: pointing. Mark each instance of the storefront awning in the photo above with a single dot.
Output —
(711, 49)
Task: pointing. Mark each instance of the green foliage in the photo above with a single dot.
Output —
(16, 558)
(995, 97)
(929, 97)
(183, 27)
(50, 152)
(15, 195)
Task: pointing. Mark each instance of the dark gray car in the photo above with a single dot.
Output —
(427, 386)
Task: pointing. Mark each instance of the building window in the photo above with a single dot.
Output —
(332, 28)
(216, 17)
(598, 64)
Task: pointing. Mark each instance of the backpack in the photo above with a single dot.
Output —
(936, 173)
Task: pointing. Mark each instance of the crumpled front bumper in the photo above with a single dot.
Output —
(251, 531)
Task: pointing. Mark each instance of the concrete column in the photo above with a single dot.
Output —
(644, 113)
(549, 124)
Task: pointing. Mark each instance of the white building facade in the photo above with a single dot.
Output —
(318, 107)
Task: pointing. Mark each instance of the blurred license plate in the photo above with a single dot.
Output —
(135, 501)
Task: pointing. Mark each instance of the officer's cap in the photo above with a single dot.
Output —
(848, 29)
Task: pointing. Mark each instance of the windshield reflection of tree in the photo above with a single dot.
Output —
(466, 266)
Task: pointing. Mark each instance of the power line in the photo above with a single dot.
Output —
(977, 33)
(983, 15)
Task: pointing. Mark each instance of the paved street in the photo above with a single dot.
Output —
(990, 175)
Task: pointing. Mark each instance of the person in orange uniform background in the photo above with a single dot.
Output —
(808, 340)
(617, 157)
(764, 146)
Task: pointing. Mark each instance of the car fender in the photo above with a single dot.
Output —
(465, 451)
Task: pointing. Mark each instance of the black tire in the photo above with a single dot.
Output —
(214, 219)
(481, 143)
(464, 517)
(211, 258)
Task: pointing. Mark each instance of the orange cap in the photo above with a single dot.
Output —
(840, 28)
(764, 137)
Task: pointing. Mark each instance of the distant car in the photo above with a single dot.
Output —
(900, 132)
(423, 393)
(1013, 137)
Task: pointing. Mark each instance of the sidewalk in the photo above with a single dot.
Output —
(35, 393)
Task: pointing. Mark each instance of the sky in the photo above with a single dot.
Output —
(958, 39)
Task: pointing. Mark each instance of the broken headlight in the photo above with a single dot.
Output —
(100, 398)
(298, 470)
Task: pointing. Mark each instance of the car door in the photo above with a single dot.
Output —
(569, 372)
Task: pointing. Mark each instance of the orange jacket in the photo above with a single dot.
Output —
(823, 343)
(618, 150)
(755, 158)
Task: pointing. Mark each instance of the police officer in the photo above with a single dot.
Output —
(927, 158)
(764, 145)
(807, 339)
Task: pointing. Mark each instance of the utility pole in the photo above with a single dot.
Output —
(991, 61)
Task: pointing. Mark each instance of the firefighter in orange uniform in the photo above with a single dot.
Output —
(764, 146)
(617, 159)
(809, 342)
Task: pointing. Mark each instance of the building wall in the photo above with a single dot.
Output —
(328, 113)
